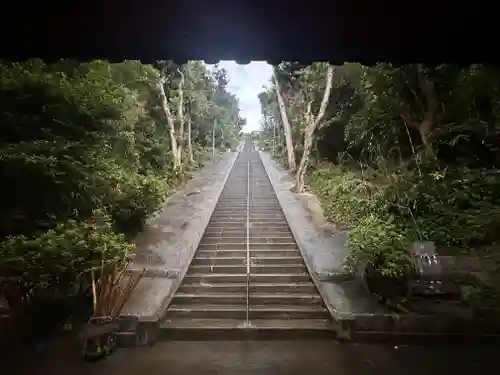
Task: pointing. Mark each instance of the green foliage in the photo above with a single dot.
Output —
(452, 207)
(80, 138)
(405, 153)
(379, 243)
(51, 263)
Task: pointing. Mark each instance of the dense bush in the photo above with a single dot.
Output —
(86, 158)
(454, 207)
(54, 263)
(404, 153)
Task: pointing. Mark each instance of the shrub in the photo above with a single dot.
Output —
(381, 244)
(52, 264)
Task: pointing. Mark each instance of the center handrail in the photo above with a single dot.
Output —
(247, 320)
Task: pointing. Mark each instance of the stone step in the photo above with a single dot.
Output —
(242, 260)
(213, 288)
(223, 231)
(243, 252)
(197, 261)
(258, 299)
(206, 240)
(239, 312)
(316, 324)
(233, 216)
(218, 288)
(258, 224)
(268, 260)
(272, 239)
(269, 230)
(242, 246)
(241, 268)
(226, 224)
(254, 239)
(265, 220)
(237, 233)
(227, 246)
(180, 329)
(241, 233)
(192, 278)
(289, 245)
(237, 218)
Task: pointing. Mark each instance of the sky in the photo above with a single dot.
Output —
(246, 82)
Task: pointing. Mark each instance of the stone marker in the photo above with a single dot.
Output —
(425, 258)
(428, 267)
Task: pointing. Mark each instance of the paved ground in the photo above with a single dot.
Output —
(271, 358)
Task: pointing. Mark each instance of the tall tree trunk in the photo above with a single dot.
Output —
(292, 165)
(304, 160)
(170, 120)
(180, 118)
(274, 138)
(312, 124)
(190, 146)
(427, 124)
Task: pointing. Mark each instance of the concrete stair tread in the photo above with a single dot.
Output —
(242, 307)
(263, 284)
(229, 275)
(302, 287)
(236, 266)
(215, 257)
(242, 236)
(234, 254)
(254, 254)
(251, 296)
(251, 243)
(278, 258)
(201, 323)
(206, 251)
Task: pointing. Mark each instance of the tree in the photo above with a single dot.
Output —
(404, 152)
(312, 123)
(104, 144)
(286, 124)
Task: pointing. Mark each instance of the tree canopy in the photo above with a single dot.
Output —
(402, 153)
(88, 151)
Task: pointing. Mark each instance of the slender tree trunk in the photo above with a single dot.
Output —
(425, 127)
(312, 124)
(170, 120)
(274, 138)
(180, 118)
(304, 160)
(190, 146)
(316, 150)
(292, 165)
